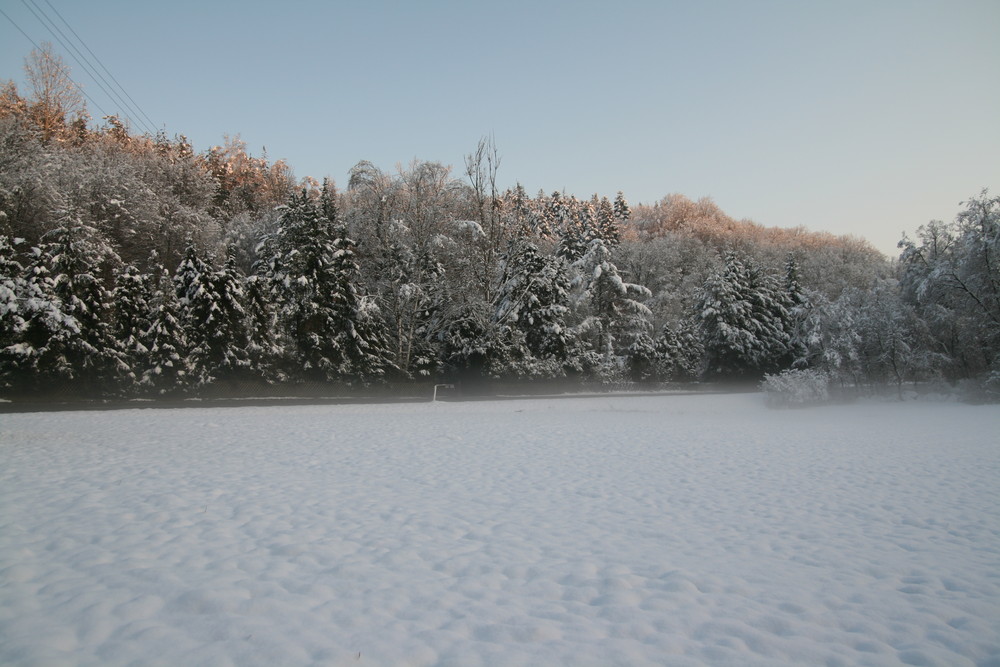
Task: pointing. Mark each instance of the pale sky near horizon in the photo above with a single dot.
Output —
(853, 117)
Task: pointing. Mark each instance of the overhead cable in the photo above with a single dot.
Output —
(99, 62)
(75, 84)
(80, 59)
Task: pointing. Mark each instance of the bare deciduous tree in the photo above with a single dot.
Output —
(56, 100)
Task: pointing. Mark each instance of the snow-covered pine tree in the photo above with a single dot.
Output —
(534, 300)
(68, 268)
(742, 313)
(608, 223)
(213, 318)
(640, 358)
(36, 329)
(679, 352)
(233, 357)
(132, 317)
(523, 218)
(14, 297)
(168, 368)
(334, 334)
(12, 291)
(196, 310)
(797, 307)
(612, 315)
(365, 336)
(264, 352)
(622, 210)
(773, 301)
(579, 227)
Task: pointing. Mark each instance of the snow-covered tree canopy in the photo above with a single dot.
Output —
(131, 264)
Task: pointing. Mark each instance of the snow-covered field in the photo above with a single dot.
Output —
(669, 530)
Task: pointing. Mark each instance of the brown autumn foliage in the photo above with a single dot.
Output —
(705, 221)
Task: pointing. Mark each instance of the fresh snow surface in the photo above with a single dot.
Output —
(666, 530)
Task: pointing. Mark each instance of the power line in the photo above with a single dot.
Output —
(78, 57)
(107, 71)
(78, 86)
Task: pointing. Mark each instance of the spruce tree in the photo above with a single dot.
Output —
(80, 349)
(15, 295)
(534, 300)
(743, 315)
(608, 223)
(263, 347)
(36, 330)
(233, 358)
(613, 315)
(333, 333)
(796, 310)
(579, 227)
(211, 303)
(132, 318)
(679, 352)
(168, 369)
(12, 292)
(197, 310)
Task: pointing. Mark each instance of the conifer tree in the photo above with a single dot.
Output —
(196, 310)
(16, 299)
(743, 315)
(578, 228)
(80, 350)
(12, 292)
(231, 336)
(36, 330)
(796, 311)
(608, 222)
(211, 307)
(334, 334)
(132, 318)
(263, 349)
(679, 352)
(168, 369)
(534, 300)
(641, 358)
(622, 210)
(613, 315)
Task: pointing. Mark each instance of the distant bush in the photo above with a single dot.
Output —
(985, 389)
(796, 388)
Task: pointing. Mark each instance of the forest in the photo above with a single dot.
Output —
(133, 266)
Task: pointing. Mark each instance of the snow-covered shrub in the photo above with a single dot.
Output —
(795, 388)
(984, 389)
(992, 385)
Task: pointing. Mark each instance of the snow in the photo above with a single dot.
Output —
(681, 530)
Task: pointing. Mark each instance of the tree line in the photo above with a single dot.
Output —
(133, 265)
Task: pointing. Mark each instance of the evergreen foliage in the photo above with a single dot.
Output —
(168, 369)
(534, 301)
(333, 333)
(743, 312)
(67, 339)
(213, 319)
(132, 312)
(612, 319)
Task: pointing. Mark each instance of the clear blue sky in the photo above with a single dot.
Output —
(855, 117)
